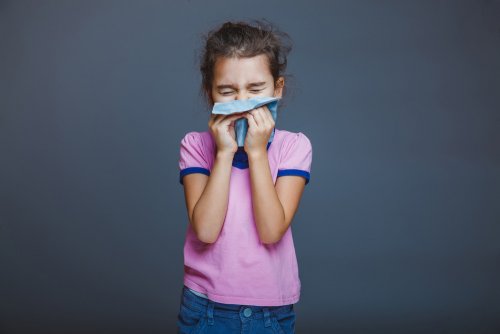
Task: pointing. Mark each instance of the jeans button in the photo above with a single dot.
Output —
(247, 312)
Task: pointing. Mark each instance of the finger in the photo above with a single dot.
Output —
(216, 116)
(212, 118)
(259, 118)
(235, 115)
(226, 118)
(269, 118)
(251, 120)
(262, 117)
(231, 121)
(215, 119)
(268, 115)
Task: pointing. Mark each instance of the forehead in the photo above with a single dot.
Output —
(241, 70)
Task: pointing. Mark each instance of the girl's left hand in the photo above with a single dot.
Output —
(260, 127)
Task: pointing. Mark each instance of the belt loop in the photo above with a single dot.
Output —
(267, 319)
(210, 312)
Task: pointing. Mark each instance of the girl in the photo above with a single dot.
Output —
(240, 267)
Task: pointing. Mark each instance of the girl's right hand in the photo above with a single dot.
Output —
(222, 129)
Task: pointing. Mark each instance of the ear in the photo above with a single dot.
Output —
(278, 87)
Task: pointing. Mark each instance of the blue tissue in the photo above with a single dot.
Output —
(236, 106)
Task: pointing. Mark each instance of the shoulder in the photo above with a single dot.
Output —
(201, 139)
(193, 136)
(199, 146)
(295, 155)
(290, 135)
(290, 139)
(195, 152)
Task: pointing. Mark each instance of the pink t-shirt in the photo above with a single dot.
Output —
(238, 268)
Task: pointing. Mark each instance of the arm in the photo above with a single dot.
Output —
(207, 192)
(207, 198)
(273, 206)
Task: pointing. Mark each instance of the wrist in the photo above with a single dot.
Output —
(257, 154)
(225, 155)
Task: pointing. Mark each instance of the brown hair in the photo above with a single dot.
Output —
(242, 39)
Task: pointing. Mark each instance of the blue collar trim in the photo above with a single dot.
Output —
(240, 158)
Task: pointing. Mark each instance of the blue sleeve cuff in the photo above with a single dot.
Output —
(298, 172)
(191, 170)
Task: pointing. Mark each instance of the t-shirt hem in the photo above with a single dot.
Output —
(242, 300)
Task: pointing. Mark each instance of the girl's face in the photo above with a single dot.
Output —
(244, 78)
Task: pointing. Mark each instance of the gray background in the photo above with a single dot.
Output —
(397, 232)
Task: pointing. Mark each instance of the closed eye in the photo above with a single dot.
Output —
(253, 91)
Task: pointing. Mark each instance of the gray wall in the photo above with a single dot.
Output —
(397, 232)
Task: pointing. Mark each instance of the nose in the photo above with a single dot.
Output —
(241, 97)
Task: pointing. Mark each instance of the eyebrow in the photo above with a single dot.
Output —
(253, 84)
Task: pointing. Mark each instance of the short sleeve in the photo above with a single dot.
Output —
(192, 157)
(296, 157)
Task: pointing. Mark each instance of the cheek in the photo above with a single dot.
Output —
(220, 98)
(223, 99)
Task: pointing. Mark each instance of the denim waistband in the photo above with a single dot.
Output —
(201, 304)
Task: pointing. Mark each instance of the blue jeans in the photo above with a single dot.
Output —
(201, 315)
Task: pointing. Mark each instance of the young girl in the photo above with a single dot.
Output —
(240, 267)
